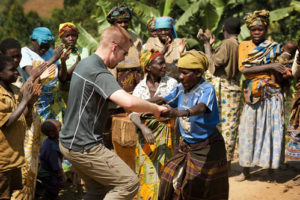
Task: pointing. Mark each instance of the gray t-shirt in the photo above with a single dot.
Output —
(87, 109)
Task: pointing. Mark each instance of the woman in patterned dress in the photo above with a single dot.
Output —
(156, 139)
(261, 131)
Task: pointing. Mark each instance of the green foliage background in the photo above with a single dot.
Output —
(189, 15)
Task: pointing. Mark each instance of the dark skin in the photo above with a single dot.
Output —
(41, 50)
(258, 35)
(16, 55)
(155, 70)
(54, 135)
(9, 75)
(69, 39)
(189, 78)
(124, 23)
(166, 37)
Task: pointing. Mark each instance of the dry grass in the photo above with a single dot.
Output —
(42, 7)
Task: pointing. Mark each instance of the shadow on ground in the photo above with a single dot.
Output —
(285, 173)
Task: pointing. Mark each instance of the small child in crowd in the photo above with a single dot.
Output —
(286, 58)
(51, 172)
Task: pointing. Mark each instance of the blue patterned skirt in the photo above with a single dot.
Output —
(261, 132)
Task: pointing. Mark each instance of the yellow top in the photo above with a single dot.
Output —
(12, 137)
(245, 48)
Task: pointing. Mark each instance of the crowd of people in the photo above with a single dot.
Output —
(185, 106)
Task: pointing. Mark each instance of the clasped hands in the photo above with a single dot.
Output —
(166, 112)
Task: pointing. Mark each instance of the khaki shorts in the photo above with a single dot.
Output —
(9, 181)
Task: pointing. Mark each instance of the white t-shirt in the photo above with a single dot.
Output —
(28, 56)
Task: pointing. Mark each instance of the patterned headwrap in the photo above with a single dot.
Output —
(151, 23)
(68, 26)
(165, 22)
(258, 17)
(147, 56)
(42, 35)
(118, 12)
(193, 60)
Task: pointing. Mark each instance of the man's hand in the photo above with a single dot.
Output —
(167, 45)
(148, 135)
(157, 114)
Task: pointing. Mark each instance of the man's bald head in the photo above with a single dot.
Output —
(115, 34)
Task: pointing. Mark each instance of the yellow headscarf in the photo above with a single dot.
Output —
(147, 56)
(258, 17)
(193, 60)
(151, 23)
(66, 27)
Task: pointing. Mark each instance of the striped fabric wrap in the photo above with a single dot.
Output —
(264, 53)
(197, 171)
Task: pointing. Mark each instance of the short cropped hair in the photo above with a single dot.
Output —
(9, 43)
(115, 34)
(232, 25)
(4, 60)
(47, 127)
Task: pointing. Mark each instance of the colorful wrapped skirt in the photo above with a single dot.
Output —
(197, 171)
(151, 159)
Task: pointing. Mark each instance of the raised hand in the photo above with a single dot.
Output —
(211, 37)
(182, 45)
(27, 91)
(201, 36)
(37, 71)
(206, 36)
(58, 51)
(48, 72)
(78, 57)
(37, 89)
(65, 55)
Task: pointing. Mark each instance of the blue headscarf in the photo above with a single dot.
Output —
(42, 35)
(165, 22)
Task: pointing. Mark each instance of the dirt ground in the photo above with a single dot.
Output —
(256, 188)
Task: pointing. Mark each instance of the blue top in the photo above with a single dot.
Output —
(199, 127)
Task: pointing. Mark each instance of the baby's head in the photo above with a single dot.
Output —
(51, 128)
(290, 47)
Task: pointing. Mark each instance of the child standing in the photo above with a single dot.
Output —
(15, 112)
(51, 173)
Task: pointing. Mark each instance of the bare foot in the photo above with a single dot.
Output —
(296, 181)
(244, 175)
